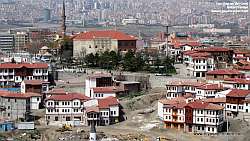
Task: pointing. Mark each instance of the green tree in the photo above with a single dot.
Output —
(129, 61)
(90, 60)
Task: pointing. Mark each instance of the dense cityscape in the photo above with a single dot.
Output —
(124, 70)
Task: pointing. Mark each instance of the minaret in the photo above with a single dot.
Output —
(63, 16)
(92, 134)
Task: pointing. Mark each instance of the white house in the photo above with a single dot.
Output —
(103, 111)
(197, 63)
(236, 83)
(97, 80)
(208, 91)
(235, 102)
(204, 117)
(103, 92)
(66, 109)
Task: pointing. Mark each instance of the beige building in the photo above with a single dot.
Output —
(100, 41)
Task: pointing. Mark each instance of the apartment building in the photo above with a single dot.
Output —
(66, 108)
(12, 74)
(236, 83)
(219, 75)
(7, 42)
(235, 102)
(190, 115)
(208, 91)
(239, 56)
(181, 88)
(203, 117)
(172, 112)
(102, 111)
(72, 107)
(35, 86)
(197, 63)
(16, 106)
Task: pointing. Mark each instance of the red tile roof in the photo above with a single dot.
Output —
(9, 94)
(26, 65)
(185, 83)
(245, 68)
(236, 81)
(204, 105)
(214, 49)
(68, 97)
(238, 93)
(173, 101)
(107, 102)
(90, 35)
(210, 87)
(223, 72)
(34, 82)
(111, 89)
(92, 109)
(216, 100)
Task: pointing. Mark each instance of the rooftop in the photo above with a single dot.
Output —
(34, 82)
(90, 35)
(24, 65)
(68, 97)
(238, 93)
(104, 89)
(107, 102)
(223, 72)
(210, 87)
(216, 100)
(204, 105)
(236, 81)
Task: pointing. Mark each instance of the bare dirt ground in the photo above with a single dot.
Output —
(142, 123)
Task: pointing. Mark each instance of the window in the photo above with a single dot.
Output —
(38, 99)
(89, 46)
(67, 118)
(8, 107)
(15, 100)
(8, 114)
(201, 112)
(246, 110)
(56, 118)
(246, 104)
(201, 119)
(227, 106)
(111, 112)
(212, 129)
(114, 112)
(198, 119)
(234, 107)
(48, 117)
(208, 128)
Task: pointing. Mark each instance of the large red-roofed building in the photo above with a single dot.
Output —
(100, 41)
